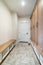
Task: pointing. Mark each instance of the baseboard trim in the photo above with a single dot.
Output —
(37, 57)
(36, 54)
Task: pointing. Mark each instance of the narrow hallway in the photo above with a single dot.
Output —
(21, 32)
(22, 54)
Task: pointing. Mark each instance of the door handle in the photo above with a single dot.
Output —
(37, 24)
(27, 33)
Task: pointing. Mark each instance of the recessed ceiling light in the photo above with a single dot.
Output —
(23, 3)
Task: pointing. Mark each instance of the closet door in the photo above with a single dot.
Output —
(33, 28)
(40, 25)
(36, 25)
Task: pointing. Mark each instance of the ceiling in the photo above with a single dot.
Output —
(16, 6)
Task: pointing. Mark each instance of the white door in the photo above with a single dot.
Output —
(24, 31)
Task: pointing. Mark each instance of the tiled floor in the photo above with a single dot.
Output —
(22, 54)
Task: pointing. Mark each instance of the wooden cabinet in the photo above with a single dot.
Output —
(32, 28)
(37, 26)
(40, 25)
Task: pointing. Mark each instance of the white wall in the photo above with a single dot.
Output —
(8, 24)
(15, 25)
(5, 24)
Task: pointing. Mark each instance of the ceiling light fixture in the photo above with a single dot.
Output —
(23, 3)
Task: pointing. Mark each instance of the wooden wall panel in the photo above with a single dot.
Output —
(36, 25)
(31, 29)
(40, 25)
(33, 32)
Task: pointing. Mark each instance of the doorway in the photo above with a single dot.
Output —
(24, 30)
